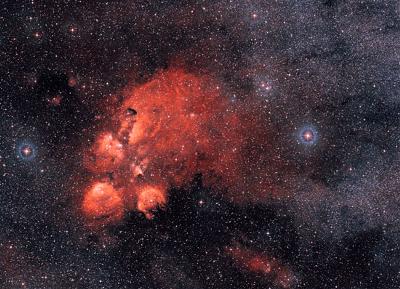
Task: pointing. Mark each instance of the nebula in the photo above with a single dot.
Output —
(167, 131)
(108, 154)
(149, 198)
(261, 264)
(102, 202)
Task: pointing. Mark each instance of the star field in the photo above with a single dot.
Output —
(199, 144)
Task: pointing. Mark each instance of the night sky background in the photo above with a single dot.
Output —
(315, 89)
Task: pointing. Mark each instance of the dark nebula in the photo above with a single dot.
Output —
(200, 144)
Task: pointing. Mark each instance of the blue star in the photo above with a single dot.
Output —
(26, 151)
(308, 135)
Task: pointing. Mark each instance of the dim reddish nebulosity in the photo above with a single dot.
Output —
(55, 101)
(165, 132)
(261, 264)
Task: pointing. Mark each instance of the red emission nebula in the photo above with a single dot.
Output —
(165, 132)
(262, 265)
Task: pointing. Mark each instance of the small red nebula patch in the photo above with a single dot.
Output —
(55, 101)
(72, 81)
(103, 202)
(262, 265)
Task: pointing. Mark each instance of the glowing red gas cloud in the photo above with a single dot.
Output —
(103, 202)
(263, 265)
(165, 132)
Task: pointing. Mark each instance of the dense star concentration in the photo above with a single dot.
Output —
(200, 144)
